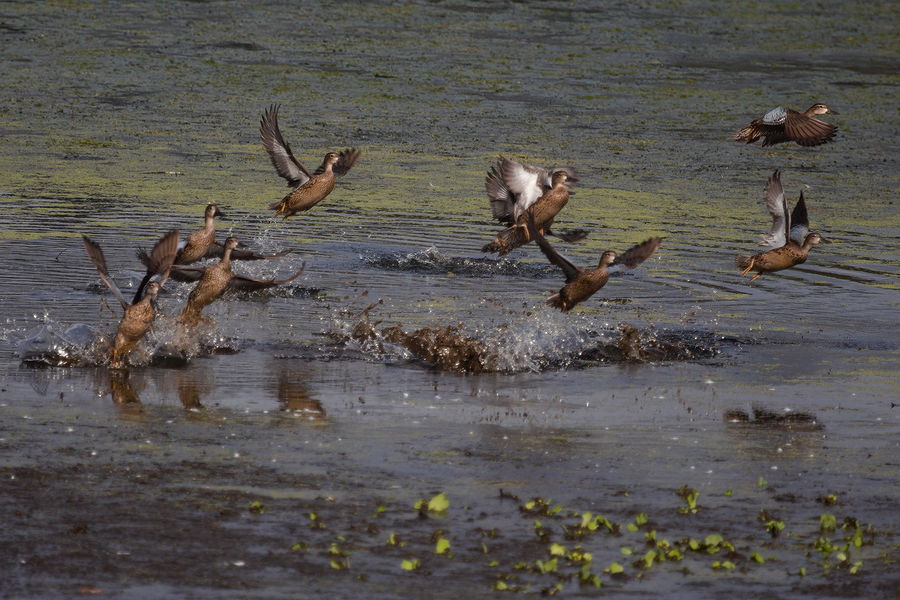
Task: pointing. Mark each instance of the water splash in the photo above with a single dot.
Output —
(432, 262)
(537, 341)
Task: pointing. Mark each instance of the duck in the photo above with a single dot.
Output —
(213, 281)
(782, 124)
(581, 284)
(141, 312)
(202, 245)
(309, 189)
(790, 235)
(515, 188)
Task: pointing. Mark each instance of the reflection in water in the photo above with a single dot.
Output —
(768, 435)
(765, 418)
(294, 398)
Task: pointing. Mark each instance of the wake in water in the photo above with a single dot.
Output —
(538, 341)
(432, 261)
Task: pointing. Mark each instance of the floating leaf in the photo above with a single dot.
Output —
(257, 507)
(761, 482)
(757, 557)
(641, 519)
(827, 523)
(557, 550)
(729, 493)
(626, 551)
(615, 568)
(442, 545)
(439, 503)
(410, 564)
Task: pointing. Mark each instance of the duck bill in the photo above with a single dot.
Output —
(219, 213)
(832, 111)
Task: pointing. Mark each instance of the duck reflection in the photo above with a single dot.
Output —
(765, 433)
(125, 392)
(294, 398)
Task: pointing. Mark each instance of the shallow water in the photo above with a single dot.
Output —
(122, 121)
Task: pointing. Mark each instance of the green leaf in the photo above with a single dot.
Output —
(648, 559)
(410, 565)
(757, 557)
(631, 527)
(729, 493)
(615, 568)
(626, 551)
(641, 519)
(827, 522)
(802, 571)
(439, 503)
(442, 546)
(557, 550)
(257, 507)
(500, 586)
(761, 482)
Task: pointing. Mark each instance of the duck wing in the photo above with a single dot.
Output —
(158, 262)
(807, 131)
(248, 284)
(799, 222)
(569, 270)
(502, 199)
(347, 158)
(776, 205)
(638, 253)
(217, 250)
(279, 151)
(527, 183)
(95, 253)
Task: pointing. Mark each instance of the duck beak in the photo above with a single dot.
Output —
(219, 213)
(241, 245)
(832, 111)
(824, 240)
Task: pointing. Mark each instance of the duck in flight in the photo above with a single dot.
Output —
(514, 188)
(782, 124)
(309, 189)
(141, 312)
(790, 235)
(581, 284)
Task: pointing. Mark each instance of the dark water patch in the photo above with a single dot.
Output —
(236, 45)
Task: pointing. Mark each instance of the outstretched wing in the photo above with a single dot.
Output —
(807, 131)
(279, 151)
(502, 199)
(568, 269)
(248, 284)
(775, 204)
(95, 253)
(527, 183)
(217, 250)
(158, 262)
(346, 161)
(638, 253)
(799, 222)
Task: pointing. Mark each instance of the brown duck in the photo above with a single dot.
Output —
(581, 284)
(516, 189)
(139, 315)
(789, 235)
(309, 190)
(215, 280)
(781, 125)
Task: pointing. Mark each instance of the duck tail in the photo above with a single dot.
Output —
(748, 134)
(507, 240)
(556, 301)
(742, 261)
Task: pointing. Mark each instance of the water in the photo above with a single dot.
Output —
(123, 121)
